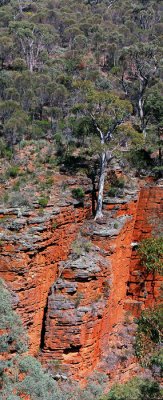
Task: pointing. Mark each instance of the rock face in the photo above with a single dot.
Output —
(72, 297)
(87, 300)
(75, 313)
(31, 248)
(144, 289)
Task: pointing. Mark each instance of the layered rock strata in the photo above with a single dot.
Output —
(87, 299)
(32, 245)
(73, 297)
(144, 289)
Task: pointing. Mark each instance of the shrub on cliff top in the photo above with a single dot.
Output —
(78, 193)
(43, 201)
(13, 171)
(151, 253)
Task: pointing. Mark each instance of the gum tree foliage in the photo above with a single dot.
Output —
(103, 115)
(140, 67)
(46, 46)
(34, 40)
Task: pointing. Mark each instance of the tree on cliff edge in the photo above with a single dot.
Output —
(105, 114)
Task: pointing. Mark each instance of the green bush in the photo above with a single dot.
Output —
(103, 83)
(149, 335)
(37, 383)
(43, 201)
(120, 183)
(52, 161)
(13, 338)
(112, 192)
(4, 150)
(117, 186)
(135, 389)
(13, 172)
(150, 251)
(157, 360)
(19, 64)
(78, 193)
(140, 159)
(115, 70)
(39, 129)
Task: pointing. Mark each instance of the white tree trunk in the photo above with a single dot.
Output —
(31, 65)
(141, 113)
(141, 109)
(99, 213)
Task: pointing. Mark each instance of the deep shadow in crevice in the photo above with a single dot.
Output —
(72, 349)
(86, 279)
(42, 337)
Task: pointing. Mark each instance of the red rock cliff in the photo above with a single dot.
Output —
(87, 300)
(70, 309)
(31, 247)
(144, 289)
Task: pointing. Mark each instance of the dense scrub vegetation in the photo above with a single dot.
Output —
(149, 338)
(151, 254)
(136, 389)
(83, 74)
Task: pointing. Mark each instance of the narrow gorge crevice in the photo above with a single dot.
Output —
(79, 322)
(43, 330)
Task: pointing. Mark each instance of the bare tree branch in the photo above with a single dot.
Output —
(108, 135)
(98, 129)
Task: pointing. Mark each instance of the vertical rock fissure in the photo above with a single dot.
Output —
(43, 329)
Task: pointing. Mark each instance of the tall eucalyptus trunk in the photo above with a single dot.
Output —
(141, 114)
(142, 87)
(99, 213)
(105, 158)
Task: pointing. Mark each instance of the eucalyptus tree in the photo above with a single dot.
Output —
(140, 68)
(104, 112)
(153, 107)
(32, 40)
(14, 121)
(6, 47)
